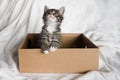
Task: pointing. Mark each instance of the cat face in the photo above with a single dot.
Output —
(53, 15)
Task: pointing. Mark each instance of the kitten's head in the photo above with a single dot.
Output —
(53, 15)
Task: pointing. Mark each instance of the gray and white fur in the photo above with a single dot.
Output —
(50, 37)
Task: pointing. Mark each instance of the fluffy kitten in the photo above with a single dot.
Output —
(50, 35)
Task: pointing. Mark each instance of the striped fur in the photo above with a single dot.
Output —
(50, 37)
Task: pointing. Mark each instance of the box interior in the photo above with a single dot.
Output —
(67, 41)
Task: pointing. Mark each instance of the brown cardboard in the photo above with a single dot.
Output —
(77, 54)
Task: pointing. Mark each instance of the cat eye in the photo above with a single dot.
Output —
(58, 18)
(48, 13)
(55, 14)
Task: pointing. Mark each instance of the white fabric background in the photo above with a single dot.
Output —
(99, 20)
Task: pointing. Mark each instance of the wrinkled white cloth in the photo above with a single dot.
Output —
(99, 20)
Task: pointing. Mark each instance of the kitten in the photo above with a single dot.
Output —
(50, 37)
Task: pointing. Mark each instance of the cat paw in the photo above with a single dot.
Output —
(46, 52)
(52, 49)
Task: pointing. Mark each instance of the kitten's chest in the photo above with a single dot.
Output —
(51, 28)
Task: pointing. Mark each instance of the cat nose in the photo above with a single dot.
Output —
(51, 15)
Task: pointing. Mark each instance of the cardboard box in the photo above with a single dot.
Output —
(77, 54)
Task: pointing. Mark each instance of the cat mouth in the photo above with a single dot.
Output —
(53, 19)
(51, 16)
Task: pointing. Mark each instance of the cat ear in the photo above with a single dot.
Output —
(61, 10)
(45, 8)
